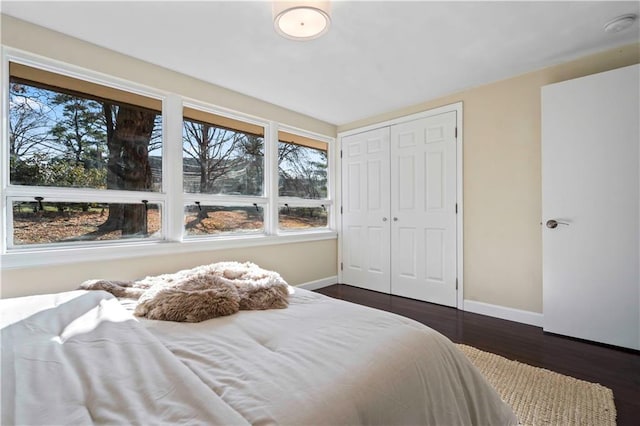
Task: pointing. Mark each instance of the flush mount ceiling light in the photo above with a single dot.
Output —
(620, 23)
(301, 20)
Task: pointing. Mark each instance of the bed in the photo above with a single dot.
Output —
(81, 357)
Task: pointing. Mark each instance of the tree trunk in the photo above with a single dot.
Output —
(114, 179)
(203, 175)
(129, 166)
(204, 159)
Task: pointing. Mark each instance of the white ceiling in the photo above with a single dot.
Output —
(376, 57)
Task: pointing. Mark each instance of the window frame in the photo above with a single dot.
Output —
(171, 198)
(327, 203)
(73, 198)
(225, 235)
(57, 193)
(227, 199)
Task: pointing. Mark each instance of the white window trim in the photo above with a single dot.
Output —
(271, 179)
(81, 244)
(226, 202)
(232, 200)
(328, 202)
(172, 168)
(75, 198)
(305, 202)
(294, 202)
(172, 198)
(16, 260)
(71, 194)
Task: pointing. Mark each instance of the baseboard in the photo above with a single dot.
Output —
(324, 282)
(503, 312)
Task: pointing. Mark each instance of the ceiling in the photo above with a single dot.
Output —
(376, 57)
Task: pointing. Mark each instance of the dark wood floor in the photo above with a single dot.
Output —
(617, 369)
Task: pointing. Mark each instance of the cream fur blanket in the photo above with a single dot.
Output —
(200, 293)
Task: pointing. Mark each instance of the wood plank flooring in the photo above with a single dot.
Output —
(618, 369)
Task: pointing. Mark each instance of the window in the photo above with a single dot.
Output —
(301, 218)
(302, 182)
(219, 220)
(88, 155)
(86, 162)
(60, 222)
(223, 174)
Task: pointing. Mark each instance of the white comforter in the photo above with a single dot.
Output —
(325, 361)
(80, 358)
(320, 361)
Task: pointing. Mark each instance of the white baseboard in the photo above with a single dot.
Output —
(503, 312)
(324, 282)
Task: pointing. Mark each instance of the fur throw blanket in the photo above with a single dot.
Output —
(201, 293)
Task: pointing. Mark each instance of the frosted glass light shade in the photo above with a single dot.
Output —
(620, 23)
(301, 20)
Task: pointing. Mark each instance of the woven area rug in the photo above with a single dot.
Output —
(543, 397)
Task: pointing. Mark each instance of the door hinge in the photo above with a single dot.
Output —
(342, 267)
(341, 211)
(456, 133)
(456, 208)
(340, 153)
(456, 283)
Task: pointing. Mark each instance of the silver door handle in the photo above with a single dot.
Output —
(553, 224)
(384, 219)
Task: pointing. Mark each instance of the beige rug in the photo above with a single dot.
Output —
(542, 397)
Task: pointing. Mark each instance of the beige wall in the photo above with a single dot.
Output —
(298, 263)
(502, 252)
(502, 178)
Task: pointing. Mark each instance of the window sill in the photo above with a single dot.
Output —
(30, 258)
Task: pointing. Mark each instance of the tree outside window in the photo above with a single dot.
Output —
(60, 137)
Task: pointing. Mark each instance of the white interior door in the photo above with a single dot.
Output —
(423, 209)
(365, 219)
(591, 187)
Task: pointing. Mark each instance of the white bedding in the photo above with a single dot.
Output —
(320, 361)
(325, 361)
(80, 358)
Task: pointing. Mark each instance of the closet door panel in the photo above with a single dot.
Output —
(423, 197)
(365, 218)
(434, 264)
(406, 254)
(405, 189)
(354, 255)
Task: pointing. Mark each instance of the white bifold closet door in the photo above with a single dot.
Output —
(365, 218)
(423, 203)
(399, 209)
